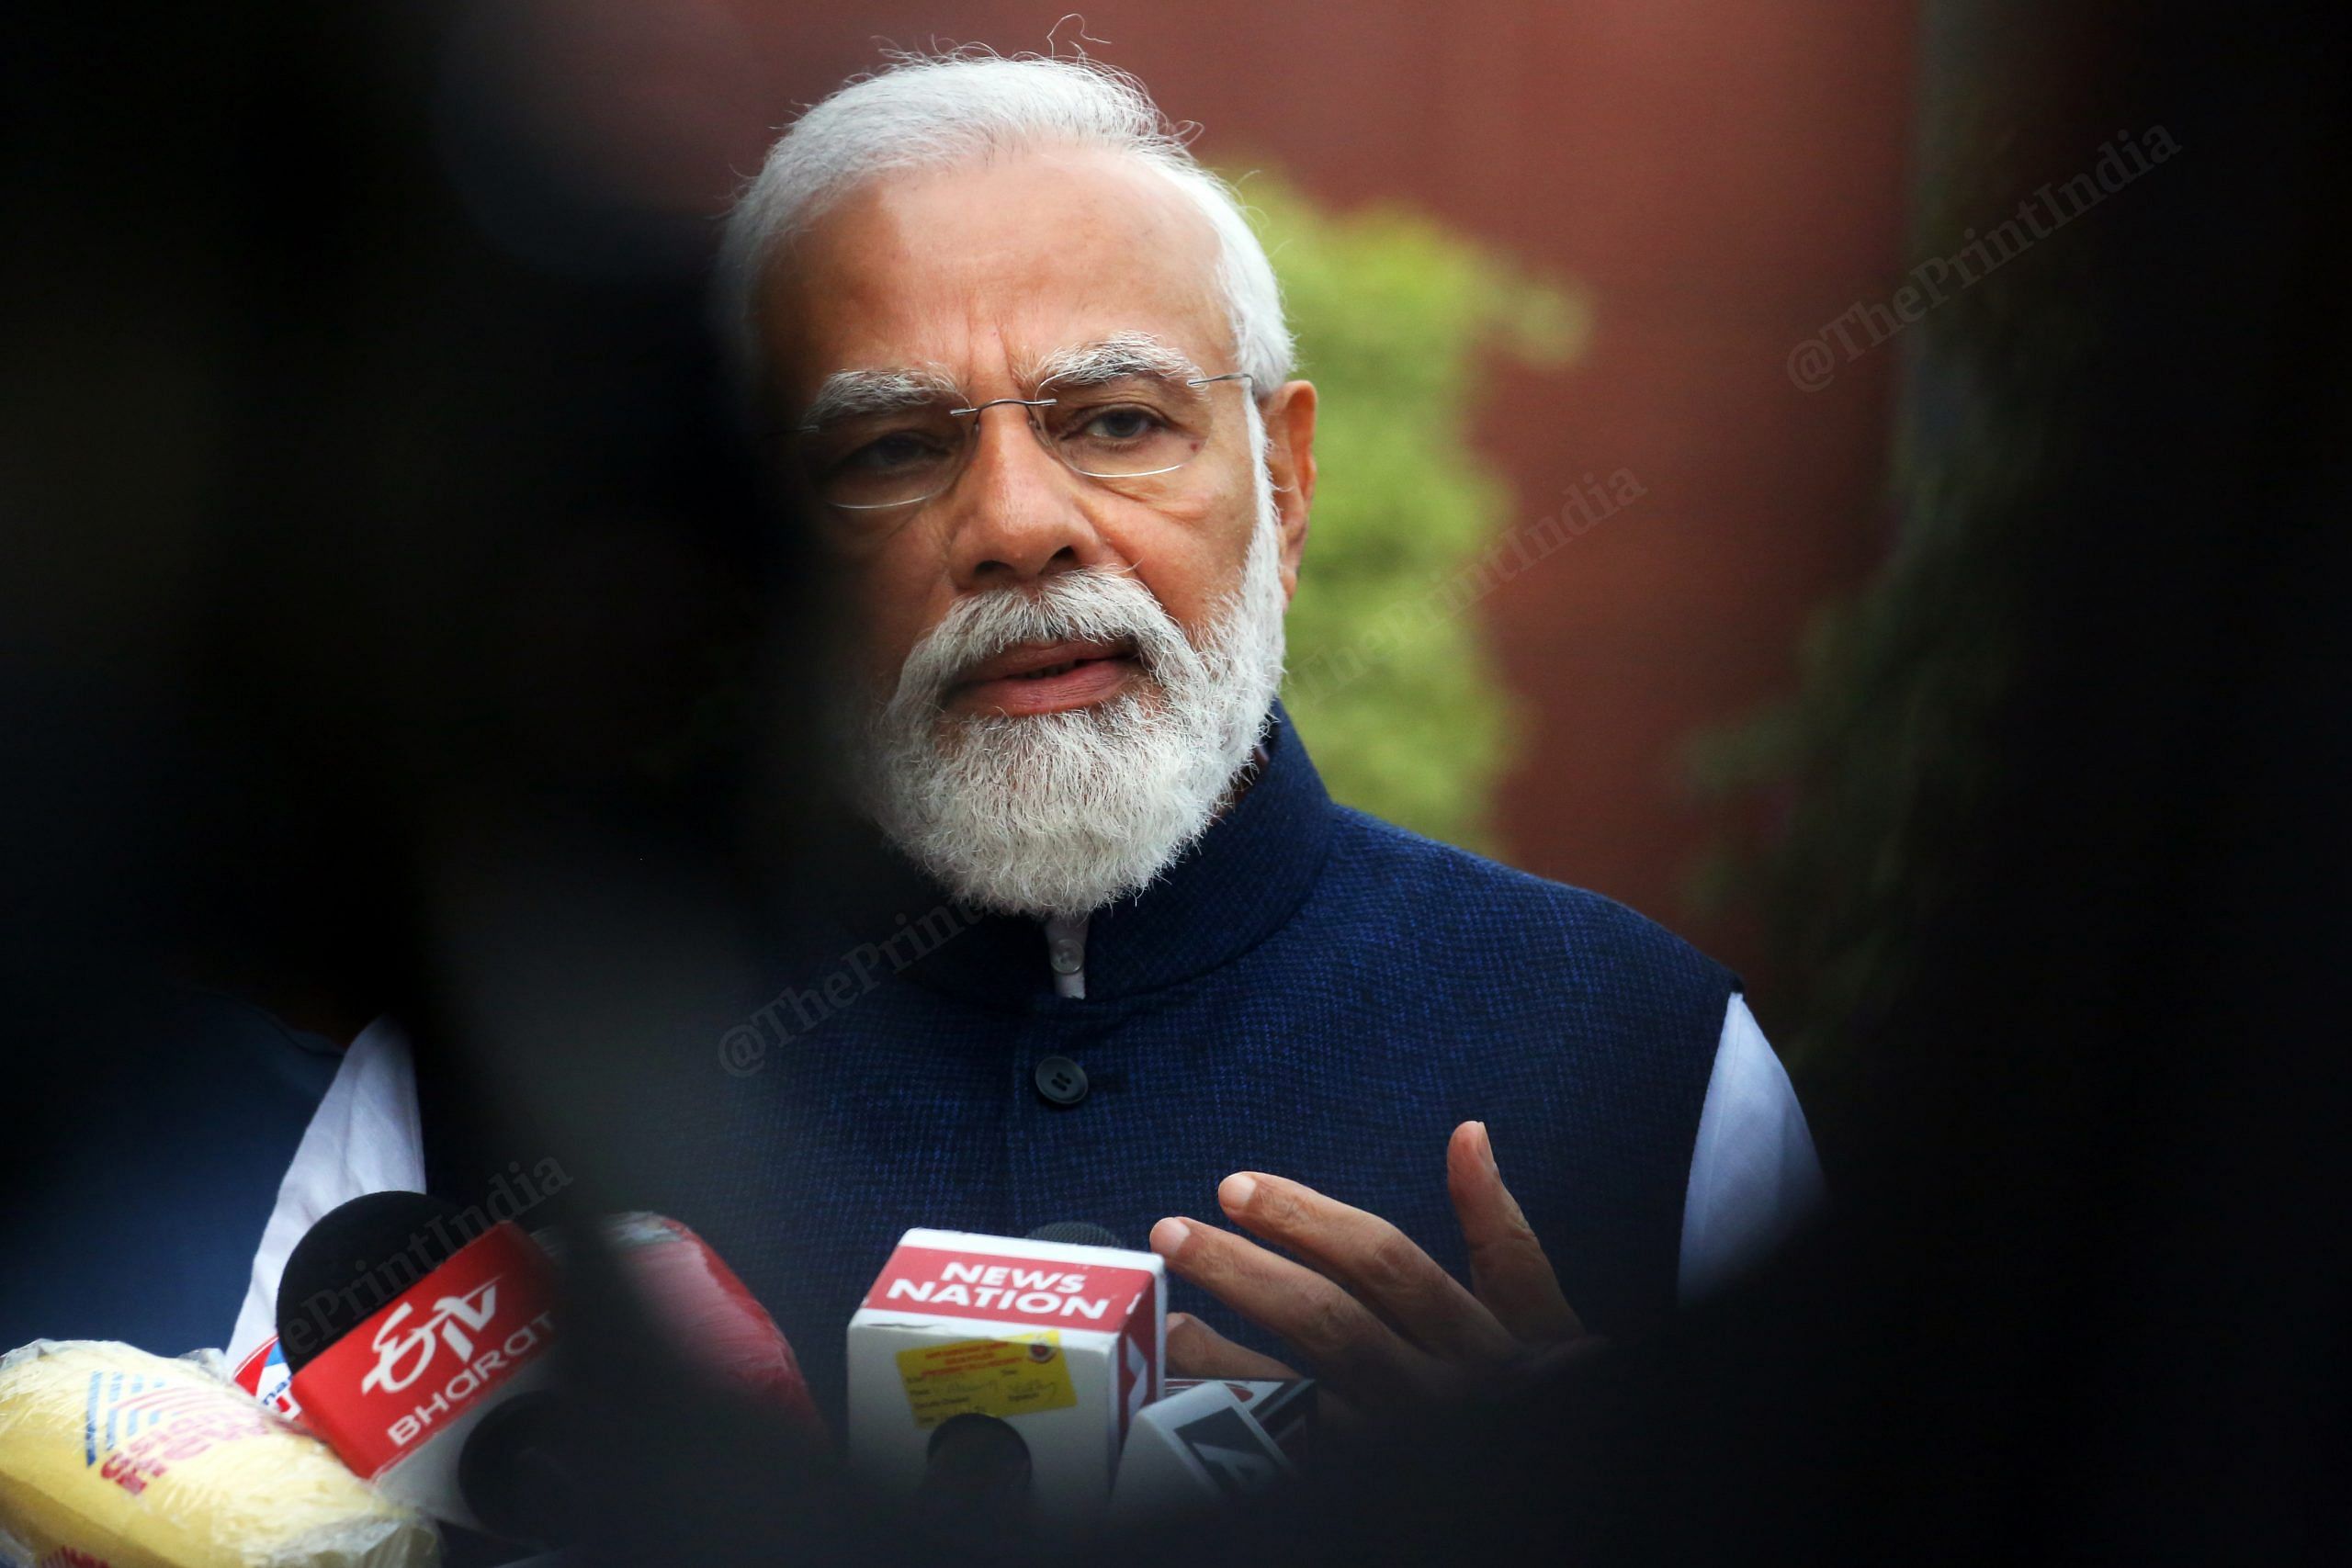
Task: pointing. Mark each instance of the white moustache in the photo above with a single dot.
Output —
(1090, 604)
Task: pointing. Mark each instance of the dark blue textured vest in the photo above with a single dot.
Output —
(1309, 992)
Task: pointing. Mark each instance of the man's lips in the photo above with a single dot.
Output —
(1047, 677)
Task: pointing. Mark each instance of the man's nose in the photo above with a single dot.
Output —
(1017, 512)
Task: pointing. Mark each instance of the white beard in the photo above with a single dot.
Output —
(1061, 813)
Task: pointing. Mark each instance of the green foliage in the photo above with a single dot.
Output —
(1870, 775)
(1397, 319)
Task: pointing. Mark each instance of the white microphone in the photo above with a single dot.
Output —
(1049, 1348)
(1285, 1407)
(1195, 1451)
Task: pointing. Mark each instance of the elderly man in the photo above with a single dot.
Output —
(1116, 956)
(1092, 943)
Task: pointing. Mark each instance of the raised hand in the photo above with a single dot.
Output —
(1375, 1318)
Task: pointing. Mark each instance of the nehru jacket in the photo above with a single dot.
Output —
(1309, 992)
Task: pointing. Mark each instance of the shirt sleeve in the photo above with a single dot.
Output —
(1754, 1175)
(365, 1137)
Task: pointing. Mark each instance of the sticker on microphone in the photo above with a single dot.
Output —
(987, 1377)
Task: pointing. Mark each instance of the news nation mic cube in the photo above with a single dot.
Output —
(1065, 1344)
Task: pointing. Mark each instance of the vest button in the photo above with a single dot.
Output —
(1061, 1081)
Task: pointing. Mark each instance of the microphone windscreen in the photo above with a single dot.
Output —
(711, 1313)
(1078, 1233)
(358, 1256)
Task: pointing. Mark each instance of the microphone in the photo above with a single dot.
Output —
(709, 1313)
(380, 1232)
(1053, 1345)
(420, 1355)
(1193, 1451)
(1284, 1407)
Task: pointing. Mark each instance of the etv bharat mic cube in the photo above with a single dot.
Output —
(1064, 1343)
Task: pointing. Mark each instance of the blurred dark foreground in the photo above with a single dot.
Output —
(380, 574)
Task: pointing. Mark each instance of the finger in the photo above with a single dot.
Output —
(1196, 1350)
(1372, 1258)
(1337, 1334)
(1507, 1269)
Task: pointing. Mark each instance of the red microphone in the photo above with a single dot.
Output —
(709, 1313)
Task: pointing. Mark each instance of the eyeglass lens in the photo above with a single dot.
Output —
(1127, 428)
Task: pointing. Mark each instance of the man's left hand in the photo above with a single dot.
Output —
(1380, 1324)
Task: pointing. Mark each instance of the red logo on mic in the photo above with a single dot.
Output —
(403, 1356)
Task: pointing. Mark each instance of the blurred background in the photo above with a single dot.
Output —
(373, 336)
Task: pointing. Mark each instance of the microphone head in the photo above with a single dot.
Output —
(976, 1475)
(360, 1256)
(1078, 1233)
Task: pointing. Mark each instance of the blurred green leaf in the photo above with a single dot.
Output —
(1400, 321)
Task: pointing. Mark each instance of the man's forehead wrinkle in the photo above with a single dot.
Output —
(949, 266)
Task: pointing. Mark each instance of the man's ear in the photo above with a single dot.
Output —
(1290, 460)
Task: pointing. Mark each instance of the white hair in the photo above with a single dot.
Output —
(1063, 813)
(932, 110)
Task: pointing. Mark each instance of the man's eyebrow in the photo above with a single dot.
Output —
(1112, 359)
(846, 394)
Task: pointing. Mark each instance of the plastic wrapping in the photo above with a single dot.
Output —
(113, 1458)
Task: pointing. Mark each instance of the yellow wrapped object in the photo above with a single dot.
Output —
(112, 1458)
